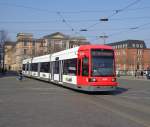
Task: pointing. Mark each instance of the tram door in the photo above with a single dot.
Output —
(29, 68)
(83, 68)
(52, 70)
(60, 71)
(39, 67)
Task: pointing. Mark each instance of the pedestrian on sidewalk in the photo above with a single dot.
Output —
(135, 73)
(142, 74)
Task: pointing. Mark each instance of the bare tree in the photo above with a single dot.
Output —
(3, 36)
(3, 39)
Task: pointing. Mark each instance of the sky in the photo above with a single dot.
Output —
(127, 19)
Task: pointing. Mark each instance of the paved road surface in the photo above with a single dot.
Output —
(32, 103)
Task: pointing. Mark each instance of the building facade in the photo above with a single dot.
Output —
(1, 57)
(28, 47)
(9, 54)
(58, 41)
(131, 55)
(23, 48)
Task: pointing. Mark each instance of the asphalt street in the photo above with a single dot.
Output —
(33, 103)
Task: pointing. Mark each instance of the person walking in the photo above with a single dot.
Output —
(135, 73)
(20, 75)
(142, 74)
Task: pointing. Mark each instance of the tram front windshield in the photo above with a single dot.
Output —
(102, 63)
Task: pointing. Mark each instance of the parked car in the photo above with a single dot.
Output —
(148, 74)
(145, 72)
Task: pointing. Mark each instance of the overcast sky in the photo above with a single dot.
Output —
(127, 19)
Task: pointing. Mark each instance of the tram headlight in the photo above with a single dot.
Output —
(113, 79)
(92, 79)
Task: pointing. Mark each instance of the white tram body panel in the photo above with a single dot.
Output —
(45, 75)
(51, 76)
(27, 62)
(64, 55)
(39, 60)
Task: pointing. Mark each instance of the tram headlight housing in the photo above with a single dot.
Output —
(92, 80)
(113, 79)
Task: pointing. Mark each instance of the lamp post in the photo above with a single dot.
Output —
(104, 37)
(2, 43)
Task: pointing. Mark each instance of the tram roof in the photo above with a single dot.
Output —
(86, 47)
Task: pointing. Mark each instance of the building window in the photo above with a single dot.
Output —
(141, 45)
(33, 43)
(33, 51)
(133, 45)
(137, 45)
(139, 52)
(123, 52)
(25, 51)
(25, 43)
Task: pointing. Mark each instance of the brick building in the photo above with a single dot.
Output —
(131, 55)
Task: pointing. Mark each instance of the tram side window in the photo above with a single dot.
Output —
(27, 67)
(56, 67)
(70, 67)
(85, 66)
(34, 67)
(23, 67)
(45, 67)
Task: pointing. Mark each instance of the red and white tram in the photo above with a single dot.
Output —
(87, 67)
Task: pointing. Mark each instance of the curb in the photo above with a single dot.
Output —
(133, 78)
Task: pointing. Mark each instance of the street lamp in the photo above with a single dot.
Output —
(104, 37)
(103, 19)
(83, 30)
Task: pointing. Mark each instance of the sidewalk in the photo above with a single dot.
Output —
(8, 73)
(133, 78)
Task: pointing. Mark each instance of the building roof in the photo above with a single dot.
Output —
(59, 35)
(24, 34)
(129, 44)
(56, 35)
(10, 43)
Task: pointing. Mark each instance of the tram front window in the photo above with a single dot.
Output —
(102, 63)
